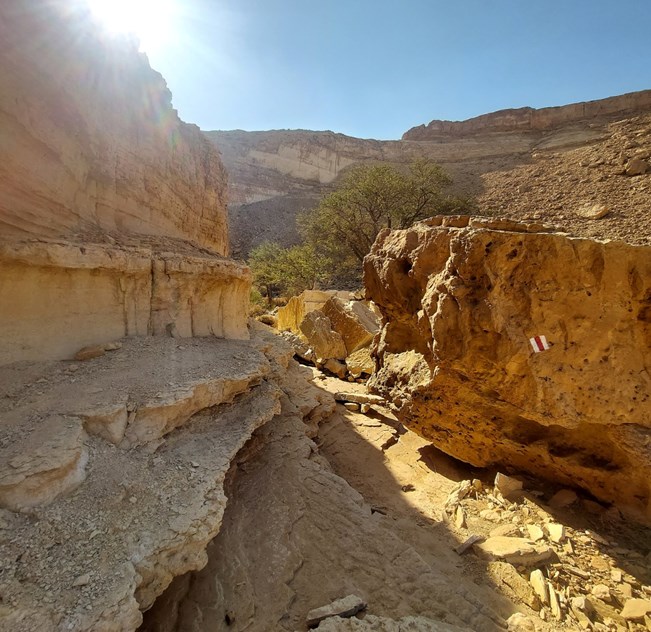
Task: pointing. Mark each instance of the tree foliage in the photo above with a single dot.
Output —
(346, 222)
(288, 270)
(340, 231)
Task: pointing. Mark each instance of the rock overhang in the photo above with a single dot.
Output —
(461, 300)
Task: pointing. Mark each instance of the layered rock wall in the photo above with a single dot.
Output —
(460, 300)
(112, 210)
(91, 143)
(58, 298)
(533, 119)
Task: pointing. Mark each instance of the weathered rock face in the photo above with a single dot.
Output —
(317, 330)
(112, 210)
(533, 119)
(59, 297)
(460, 300)
(91, 142)
(520, 163)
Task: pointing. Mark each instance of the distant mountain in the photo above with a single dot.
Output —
(522, 162)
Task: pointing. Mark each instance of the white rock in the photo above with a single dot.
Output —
(507, 485)
(539, 585)
(601, 591)
(556, 532)
(535, 532)
(345, 607)
(82, 580)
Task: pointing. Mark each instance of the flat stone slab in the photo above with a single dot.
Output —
(359, 398)
(137, 393)
(345, 607)
(517, 551)
(635, 609)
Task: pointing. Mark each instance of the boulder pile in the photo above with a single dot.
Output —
(569, 575)
(331, 330)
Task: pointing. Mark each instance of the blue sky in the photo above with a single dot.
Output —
(373, 69)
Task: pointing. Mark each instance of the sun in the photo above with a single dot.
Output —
(149, 20)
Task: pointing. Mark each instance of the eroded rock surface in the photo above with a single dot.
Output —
(112, 210)
(60, 297)
(296, 536)
(461, 299)
(99, 550)
(91, 143)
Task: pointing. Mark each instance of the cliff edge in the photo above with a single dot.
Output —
(112, 210)
(532, 119)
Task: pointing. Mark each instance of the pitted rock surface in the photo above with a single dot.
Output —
(461, 299)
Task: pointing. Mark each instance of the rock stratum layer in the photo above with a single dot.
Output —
(91, 142)
(522, 163)
(112, 473)
(112, 210)
(60, 297)
(533, 119)
(461, 298)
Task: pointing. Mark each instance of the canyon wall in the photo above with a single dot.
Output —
(113, 214)
(460, 301)
(515, 119)
(517, 163)
(277, 174)
(91, 143)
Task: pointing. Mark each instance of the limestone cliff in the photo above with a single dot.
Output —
(112, 210)
(532, 118)
(522, 163)
(91, 143)
(460, 300)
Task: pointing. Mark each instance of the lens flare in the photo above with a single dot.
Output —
(149, 20)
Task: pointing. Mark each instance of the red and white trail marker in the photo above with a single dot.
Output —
(539, 343)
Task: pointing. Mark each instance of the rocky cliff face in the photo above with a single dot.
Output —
(462, 298)
(112, 210)
(518, 163)
(531, 119)
(91, 144)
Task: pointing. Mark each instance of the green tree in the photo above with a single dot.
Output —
(290, 270)
(264, 261)
(345, 224)
(302, 268)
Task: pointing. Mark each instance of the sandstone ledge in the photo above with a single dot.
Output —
(59, 297)
(94, 558)
(454, 357)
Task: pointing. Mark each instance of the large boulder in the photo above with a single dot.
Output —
(465, 306)
(360, 362)
(356, 323)
(325, 342)
(291, 315)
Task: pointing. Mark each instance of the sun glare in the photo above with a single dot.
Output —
(149, 20)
